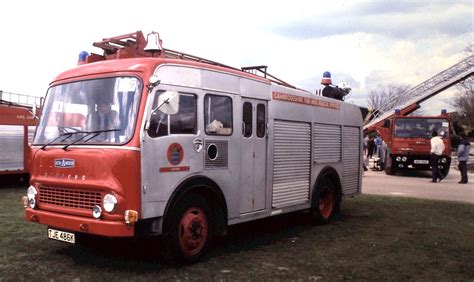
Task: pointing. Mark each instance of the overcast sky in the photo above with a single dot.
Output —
(366, 43)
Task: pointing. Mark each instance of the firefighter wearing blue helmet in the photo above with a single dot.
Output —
(332, 91)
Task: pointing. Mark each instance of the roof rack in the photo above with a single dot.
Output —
(262, 70)
(15, 99)
(168, 53)
(134, 44)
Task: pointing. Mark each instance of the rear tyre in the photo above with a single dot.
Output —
(188, 230)
(326, 202)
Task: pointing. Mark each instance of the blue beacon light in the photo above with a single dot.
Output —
(82, 57)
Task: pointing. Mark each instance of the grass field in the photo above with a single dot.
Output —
(376, 238)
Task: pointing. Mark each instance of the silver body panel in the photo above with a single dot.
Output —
(258, 177)
(253, 165)
(12, 147)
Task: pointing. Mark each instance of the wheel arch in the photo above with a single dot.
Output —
(210, 191)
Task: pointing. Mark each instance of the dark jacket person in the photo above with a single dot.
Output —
(462, 153)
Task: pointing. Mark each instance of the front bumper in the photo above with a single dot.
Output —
(421, 162)
(81, 224)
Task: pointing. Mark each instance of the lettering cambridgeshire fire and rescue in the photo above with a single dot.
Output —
(305, 100)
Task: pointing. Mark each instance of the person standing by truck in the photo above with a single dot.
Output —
(366, 143)
(378, 144)
(370, 147)
(462, 153)
(437, 148)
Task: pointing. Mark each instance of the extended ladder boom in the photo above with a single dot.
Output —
(427, 89)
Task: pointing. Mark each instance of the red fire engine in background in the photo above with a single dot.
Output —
(17, 127)
(407, 142)
(406, 138)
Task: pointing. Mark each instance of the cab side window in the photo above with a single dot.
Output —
(261, 121)
(247, 119)
(183, 122)
(218, 115)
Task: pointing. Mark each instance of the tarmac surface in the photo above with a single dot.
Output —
(416, 184)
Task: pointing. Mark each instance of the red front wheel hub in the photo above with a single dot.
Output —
(193, 231)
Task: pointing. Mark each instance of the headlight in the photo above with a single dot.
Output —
(404, 159)
(109, 202)
(31, 194)
(96, 212)
(398, 159)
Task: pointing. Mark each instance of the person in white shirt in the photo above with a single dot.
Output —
(437, 148)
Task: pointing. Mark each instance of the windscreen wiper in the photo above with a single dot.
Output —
(88, 133)
(64, 129)
(66, 135)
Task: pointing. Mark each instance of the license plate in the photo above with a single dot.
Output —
(61, 236)
(421, 162)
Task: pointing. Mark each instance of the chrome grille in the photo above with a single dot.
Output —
(70, 198)
(222, 157)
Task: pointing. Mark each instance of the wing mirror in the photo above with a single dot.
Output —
(168, 103)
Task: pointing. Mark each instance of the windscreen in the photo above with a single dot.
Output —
(91, 111)
(421, 127)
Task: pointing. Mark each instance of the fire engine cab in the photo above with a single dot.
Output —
(407, 142)
(144, 140)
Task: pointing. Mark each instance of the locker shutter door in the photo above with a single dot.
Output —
(292, 163)
(351, 160)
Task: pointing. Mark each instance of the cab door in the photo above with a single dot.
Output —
(169, 148)
(253, 155)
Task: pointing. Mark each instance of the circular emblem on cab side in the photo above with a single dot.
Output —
(175, 154)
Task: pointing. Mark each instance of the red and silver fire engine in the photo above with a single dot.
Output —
(143, 140)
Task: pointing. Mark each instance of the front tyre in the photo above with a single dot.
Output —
(325, 202)
(388, 166)
(445, 171)
(188, 230)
